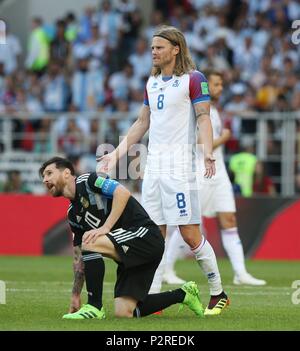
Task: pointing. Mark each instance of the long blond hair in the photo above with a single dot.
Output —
(184, 63)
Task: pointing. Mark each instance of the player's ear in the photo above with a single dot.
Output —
(67, 172)
(176, 50)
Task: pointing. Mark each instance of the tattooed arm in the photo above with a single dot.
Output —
(202, 111)
(78, 268)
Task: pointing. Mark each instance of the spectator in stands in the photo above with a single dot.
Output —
(213, 61)
(133, 21)
(95, 47)
(235, 106)
(60, 48)
(39, 48)
(111, 28)
(262, 183)
(10, 53)
(88, 82)
(176, 15)
(260, 77)
(266, 96)
(123, 83)
(243, 164)
(14, 183)
(80, 83)
(85, 24)
(27, 103)
(72, 27)
(215, 30)
(141, 60)
(223, 49)
(56, 91)
(247, 57)
(156, 19)
(33, 85)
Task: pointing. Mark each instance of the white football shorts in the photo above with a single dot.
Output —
(172, 199)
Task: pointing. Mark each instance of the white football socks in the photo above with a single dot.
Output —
(175, 248)
(206, 259)
(234, 249)
(204, 255)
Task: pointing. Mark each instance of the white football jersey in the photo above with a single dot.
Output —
(172, 132)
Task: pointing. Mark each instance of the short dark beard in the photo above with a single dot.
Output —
(58, 193)
(58, 190)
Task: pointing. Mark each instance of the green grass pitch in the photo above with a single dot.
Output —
(38, 293)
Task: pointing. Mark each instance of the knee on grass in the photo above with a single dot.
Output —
(123, 311)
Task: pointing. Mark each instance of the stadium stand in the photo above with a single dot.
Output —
(98, 64)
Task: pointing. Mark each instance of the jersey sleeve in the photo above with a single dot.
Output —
(146, 100)
(102, 184)
(198, 87)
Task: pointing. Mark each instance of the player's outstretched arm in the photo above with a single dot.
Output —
(78, 268)
(202, 111)
(135, 134)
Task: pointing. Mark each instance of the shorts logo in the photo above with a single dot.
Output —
(125, 248)
(204, 88)
(183, 213)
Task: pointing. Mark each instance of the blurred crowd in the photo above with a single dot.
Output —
(100, 61)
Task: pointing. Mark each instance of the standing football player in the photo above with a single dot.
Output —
(176, 103)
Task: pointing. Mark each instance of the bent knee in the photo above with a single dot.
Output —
(192, 238)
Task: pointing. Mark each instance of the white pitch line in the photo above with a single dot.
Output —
(46, 291)
(235, 287)
(264, 287)
(261, 293)
(17, 282)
